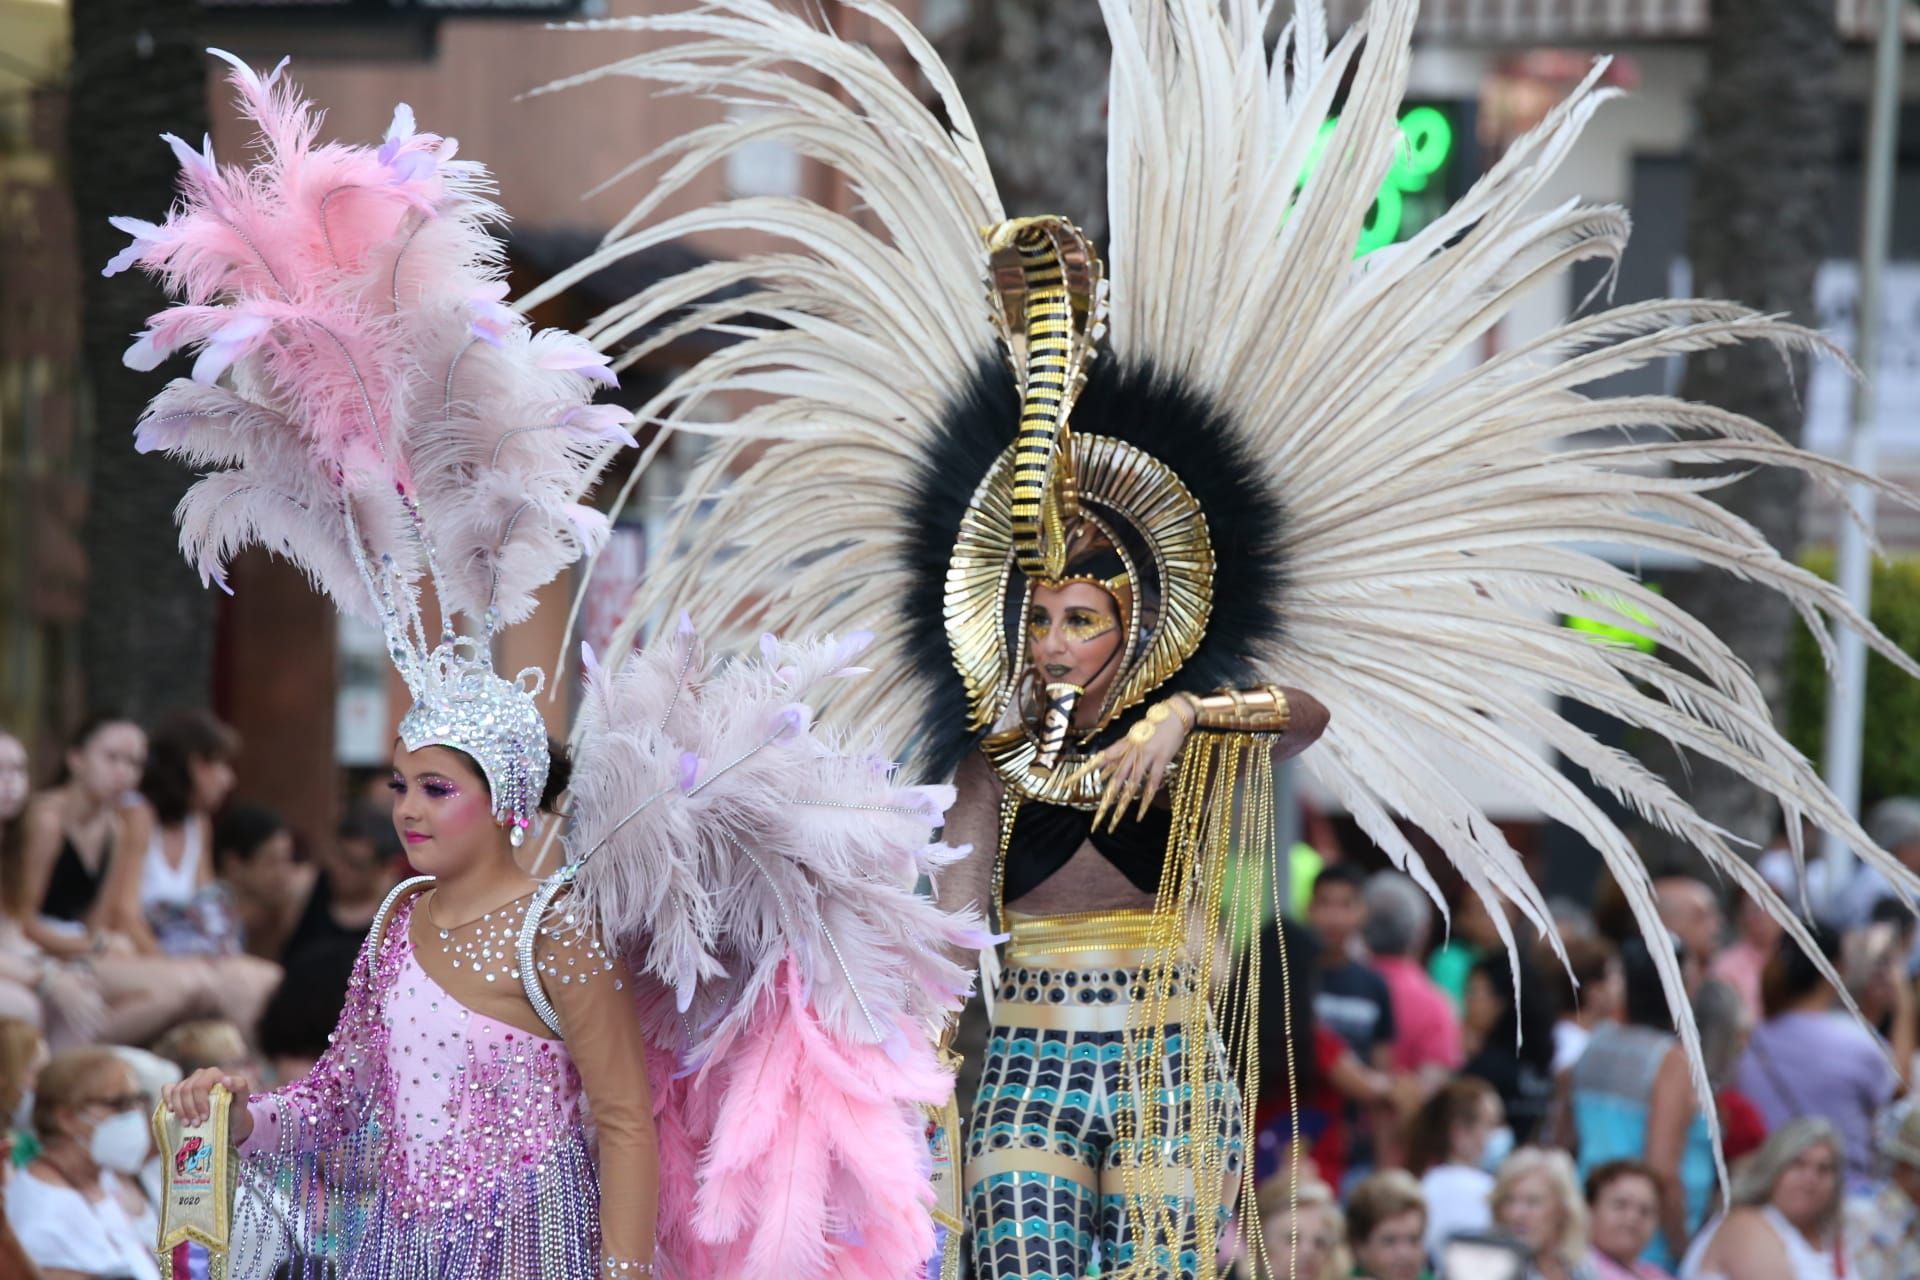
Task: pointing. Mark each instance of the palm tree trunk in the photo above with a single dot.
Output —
(138, 71)
(1759, 224)
(1034, 73)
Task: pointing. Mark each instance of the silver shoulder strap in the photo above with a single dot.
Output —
(377, 932)
(543, 897)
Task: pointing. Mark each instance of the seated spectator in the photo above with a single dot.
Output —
(1450, 1146)
(1426, 1029)
(1537, 1202)
(1690, 909)
(188, 776)
(254, 855)
(1883, 1230)
(1352, 999)
(1756, 937)
(298, 1021)
(1386, 1227)
(1784, 1223)
(1633, 1099)
(1474, 935)
(1302, 1234)
(1593, 994)
(206, 1042)
(92, 1122)
(1813, 1058)
(1509, 1037)
(1725, 1031)
(355, 875)
(152, 1073)
(23, 1055)
(1623, 1202)
(77, 896)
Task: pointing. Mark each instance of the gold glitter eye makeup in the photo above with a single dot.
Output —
(1082, 627)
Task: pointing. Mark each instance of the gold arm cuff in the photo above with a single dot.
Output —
(1262, 709)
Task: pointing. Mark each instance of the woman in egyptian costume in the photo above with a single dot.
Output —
(1130, 531)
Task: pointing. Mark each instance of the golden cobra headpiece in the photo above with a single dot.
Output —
(1061, 505)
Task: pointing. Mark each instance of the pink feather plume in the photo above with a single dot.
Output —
(367, 401)
(762, 879)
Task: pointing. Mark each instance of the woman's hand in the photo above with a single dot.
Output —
(190, 1100)
(1136, 766)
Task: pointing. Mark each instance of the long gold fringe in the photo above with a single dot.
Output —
(1222, 875)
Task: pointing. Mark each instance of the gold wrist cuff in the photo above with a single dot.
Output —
(1258, 710)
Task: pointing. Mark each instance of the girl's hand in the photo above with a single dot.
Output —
(190, 1100)
(1135, 766)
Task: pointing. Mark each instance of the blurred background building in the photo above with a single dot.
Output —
(319, 693)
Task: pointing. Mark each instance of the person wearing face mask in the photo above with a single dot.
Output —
(1455, 1141)
(91, 1118)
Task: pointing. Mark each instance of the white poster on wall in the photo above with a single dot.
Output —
(1830, 388)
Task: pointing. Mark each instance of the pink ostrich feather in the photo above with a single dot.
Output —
(373, 411)
(762, 877)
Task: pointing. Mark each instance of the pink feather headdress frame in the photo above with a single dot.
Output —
(370, 408)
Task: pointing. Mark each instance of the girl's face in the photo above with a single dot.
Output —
(1470, 1136)
(13, 777)
(268, 875)
(107, 765)
(443, 812)
(212, 782)
(1531, 1213)
(1318, 1239)
(1394, 1251)
(1805, 1188)
(1075, 633)
(1624, 1216)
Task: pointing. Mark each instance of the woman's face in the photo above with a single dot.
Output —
(442, 811)
(1805, 1188)
(1075, 633)
(1608, 998)
(268, 875)
(212, 782)
(1470, 1136)
(1531, 1213)
(1624, 1216)
(1484, 1006)
(13, 777)
(1317, 1241)
(107, 765)
(1394, 1251)
(111, 1091)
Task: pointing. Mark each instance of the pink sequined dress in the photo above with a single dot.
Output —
(433, 1141)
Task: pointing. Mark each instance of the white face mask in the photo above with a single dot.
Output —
(23, 1111)
(121, 1142)
(1499, 1147)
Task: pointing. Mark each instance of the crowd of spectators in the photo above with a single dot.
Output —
(1460, 1104)
(1446, 1104)
(150, 926)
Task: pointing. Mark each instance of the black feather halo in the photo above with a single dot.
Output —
(1155, 412)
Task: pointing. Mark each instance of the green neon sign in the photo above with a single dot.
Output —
(1612, 632)
(1426, 146)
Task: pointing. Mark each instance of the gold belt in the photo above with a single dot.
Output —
(1084, 940)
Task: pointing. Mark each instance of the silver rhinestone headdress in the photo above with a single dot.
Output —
(459, 702)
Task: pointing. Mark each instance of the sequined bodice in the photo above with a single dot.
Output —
(461, 1080)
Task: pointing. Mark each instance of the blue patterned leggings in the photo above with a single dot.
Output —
(1047, 1174)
